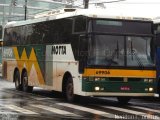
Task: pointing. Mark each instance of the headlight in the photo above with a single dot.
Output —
(85, 78)
(151, 89)
(150, 80)
(145, 80)
(146, 89)
(97, 88)
(97, 79)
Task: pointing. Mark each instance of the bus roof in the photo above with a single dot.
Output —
(70, 12)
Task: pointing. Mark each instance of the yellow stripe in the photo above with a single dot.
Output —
(33, 60)
(120, 73)
(16, 55)
(28, 62)
(24, 55)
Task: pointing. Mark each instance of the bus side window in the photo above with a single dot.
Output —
(6, 37)
(1, 32)
(79, 24)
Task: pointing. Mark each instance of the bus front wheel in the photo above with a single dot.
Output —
(18, 86)
(69, 91)
(25, 86)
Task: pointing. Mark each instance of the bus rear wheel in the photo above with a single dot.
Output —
(123, 100)
(18, 86)
(25, 86)
(69, 91)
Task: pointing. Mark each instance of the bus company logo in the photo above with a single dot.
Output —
(102, 72)
(58, 50)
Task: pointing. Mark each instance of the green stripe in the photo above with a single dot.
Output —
(135, 87)
(20, 50)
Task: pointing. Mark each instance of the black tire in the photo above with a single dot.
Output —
(123, 100)
(18, 85)
(25, 86)
(69, 91)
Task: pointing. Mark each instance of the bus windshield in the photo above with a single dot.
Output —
(114, 44)
(120, 51)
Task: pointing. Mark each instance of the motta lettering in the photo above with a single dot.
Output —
(58, 50)
(102, 72)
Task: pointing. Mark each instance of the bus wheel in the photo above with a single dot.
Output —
(18, 86)
(25, 86)
(123, 100)
(69, 92)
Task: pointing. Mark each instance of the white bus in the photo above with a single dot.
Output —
(81, 52)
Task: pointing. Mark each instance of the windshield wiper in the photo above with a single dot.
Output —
(139, 61)
(140, 64)
(116, 51)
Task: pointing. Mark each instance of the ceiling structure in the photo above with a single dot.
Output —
(11, 10)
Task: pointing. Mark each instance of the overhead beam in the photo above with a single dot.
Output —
(15, 14)
(29, 7)
(53, 1)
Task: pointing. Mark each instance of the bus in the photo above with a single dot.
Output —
(81, 53)
(157, 43)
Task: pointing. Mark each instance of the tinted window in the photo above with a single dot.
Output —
(0, 32)
(58, 31)
(13, 36)
(157, 28)
(157, 39)
(80, 24)
(48, 32)
(106, 50)
(139, 51)
(122, 27)
(108, 22)
(157, 33)
(55, 31)
(110, 50)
